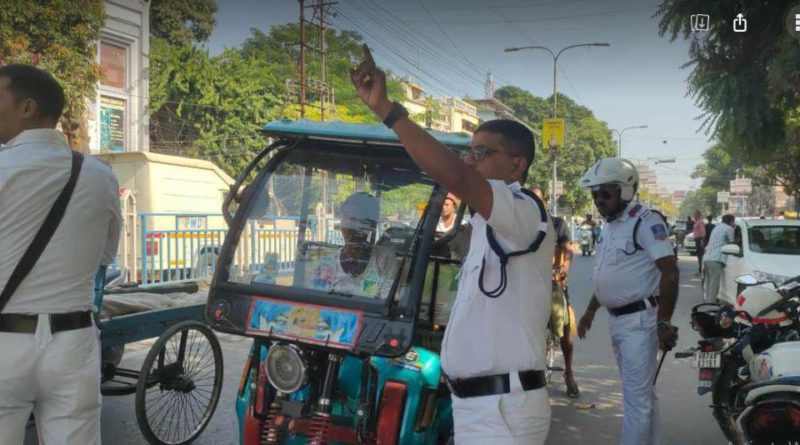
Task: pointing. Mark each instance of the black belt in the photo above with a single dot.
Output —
(633, 307)
(26, 324)
(491, 385)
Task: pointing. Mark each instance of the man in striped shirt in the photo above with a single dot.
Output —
(714, 261)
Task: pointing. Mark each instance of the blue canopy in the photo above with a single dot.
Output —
(360, 132)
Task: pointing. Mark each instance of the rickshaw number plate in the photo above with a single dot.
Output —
(711, 359)
(322, 325)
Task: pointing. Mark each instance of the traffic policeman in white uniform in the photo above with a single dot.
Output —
(494, 347)
(636, 279)
(50, 348)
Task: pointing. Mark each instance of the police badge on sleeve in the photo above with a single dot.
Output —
(659, 231)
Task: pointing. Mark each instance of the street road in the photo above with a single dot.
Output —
(686, 417)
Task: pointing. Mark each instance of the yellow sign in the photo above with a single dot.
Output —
(553, 133)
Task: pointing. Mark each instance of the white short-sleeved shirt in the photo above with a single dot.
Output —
(34, 168)
(487, 336)
(623, 274)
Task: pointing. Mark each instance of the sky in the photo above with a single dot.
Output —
(449, 45)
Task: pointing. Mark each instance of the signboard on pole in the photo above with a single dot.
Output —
(741, 186)
(553, 133)
(559, 187)
(723, 197)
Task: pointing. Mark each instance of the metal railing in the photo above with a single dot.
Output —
(177, 247)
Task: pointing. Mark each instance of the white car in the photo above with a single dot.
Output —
(766, 249)
(689, 244)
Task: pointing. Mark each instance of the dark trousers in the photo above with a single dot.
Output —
(700, 251)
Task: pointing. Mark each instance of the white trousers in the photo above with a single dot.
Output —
(517, 418)
(57, 376)
(635, 340)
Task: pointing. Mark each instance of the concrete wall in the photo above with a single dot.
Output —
(118, 115)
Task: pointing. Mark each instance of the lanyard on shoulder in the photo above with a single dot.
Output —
(505, 257)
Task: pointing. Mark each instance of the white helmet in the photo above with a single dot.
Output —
(755, 299)
(613, 171)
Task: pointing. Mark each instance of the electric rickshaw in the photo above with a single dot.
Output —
(332, 265)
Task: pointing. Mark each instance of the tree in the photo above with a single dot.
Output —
(213, 107)
(182, 22)
(588, 140)
(60, 37)
(692, 202)
(747, 83)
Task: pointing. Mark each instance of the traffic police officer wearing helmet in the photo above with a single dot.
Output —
(636, 279)
(493, 351)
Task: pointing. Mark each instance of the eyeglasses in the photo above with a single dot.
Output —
(478, 153)
(603, 192)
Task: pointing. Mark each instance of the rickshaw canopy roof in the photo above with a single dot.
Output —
(341, 131)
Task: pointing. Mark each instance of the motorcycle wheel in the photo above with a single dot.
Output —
(724, 398)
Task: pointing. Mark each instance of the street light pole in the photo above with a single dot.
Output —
(555, 102)
(620, 133)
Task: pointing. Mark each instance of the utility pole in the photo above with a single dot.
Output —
(307, 83)
(555, 104)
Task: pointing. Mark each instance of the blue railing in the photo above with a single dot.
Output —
(176, 247)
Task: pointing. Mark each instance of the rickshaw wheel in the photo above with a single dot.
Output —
(179, 385)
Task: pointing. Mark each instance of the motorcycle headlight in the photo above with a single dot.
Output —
(773, 278)
(286, 368)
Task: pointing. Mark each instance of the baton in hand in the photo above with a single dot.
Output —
(661, 362)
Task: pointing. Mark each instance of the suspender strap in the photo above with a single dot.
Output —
(44, 234)
(504, 257)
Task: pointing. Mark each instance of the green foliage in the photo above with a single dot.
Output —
(63, 36)
(588, 140)
(695, 200)
(182, 22)
(745, 82)
(212, 107)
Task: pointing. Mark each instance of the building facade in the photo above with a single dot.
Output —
(118, 116)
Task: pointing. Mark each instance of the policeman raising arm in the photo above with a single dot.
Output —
(636, 279)
(493, 350)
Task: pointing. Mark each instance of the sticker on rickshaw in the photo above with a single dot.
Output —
(332, 327)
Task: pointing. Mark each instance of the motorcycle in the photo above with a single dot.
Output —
(772, 400)
(746, 358)
(587, 245)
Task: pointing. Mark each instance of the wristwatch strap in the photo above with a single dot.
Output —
(395, 114)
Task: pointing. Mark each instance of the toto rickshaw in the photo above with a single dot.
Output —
(332, 267)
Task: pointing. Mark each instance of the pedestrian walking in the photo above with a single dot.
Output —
(699, 231)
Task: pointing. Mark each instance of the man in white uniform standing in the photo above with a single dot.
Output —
(50, 346)
(493, 351)
(636, 279)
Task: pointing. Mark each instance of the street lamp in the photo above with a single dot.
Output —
(620, 133)
(555, 97)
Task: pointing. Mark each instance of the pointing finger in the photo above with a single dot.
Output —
(368, 56)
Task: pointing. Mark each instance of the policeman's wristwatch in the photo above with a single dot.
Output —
(664, 325)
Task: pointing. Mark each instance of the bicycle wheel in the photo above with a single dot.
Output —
(179, 386)
(552, 344)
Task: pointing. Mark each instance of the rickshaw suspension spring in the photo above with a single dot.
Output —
(271, 433)
(319, 428)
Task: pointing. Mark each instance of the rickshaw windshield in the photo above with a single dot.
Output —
(336, 219)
